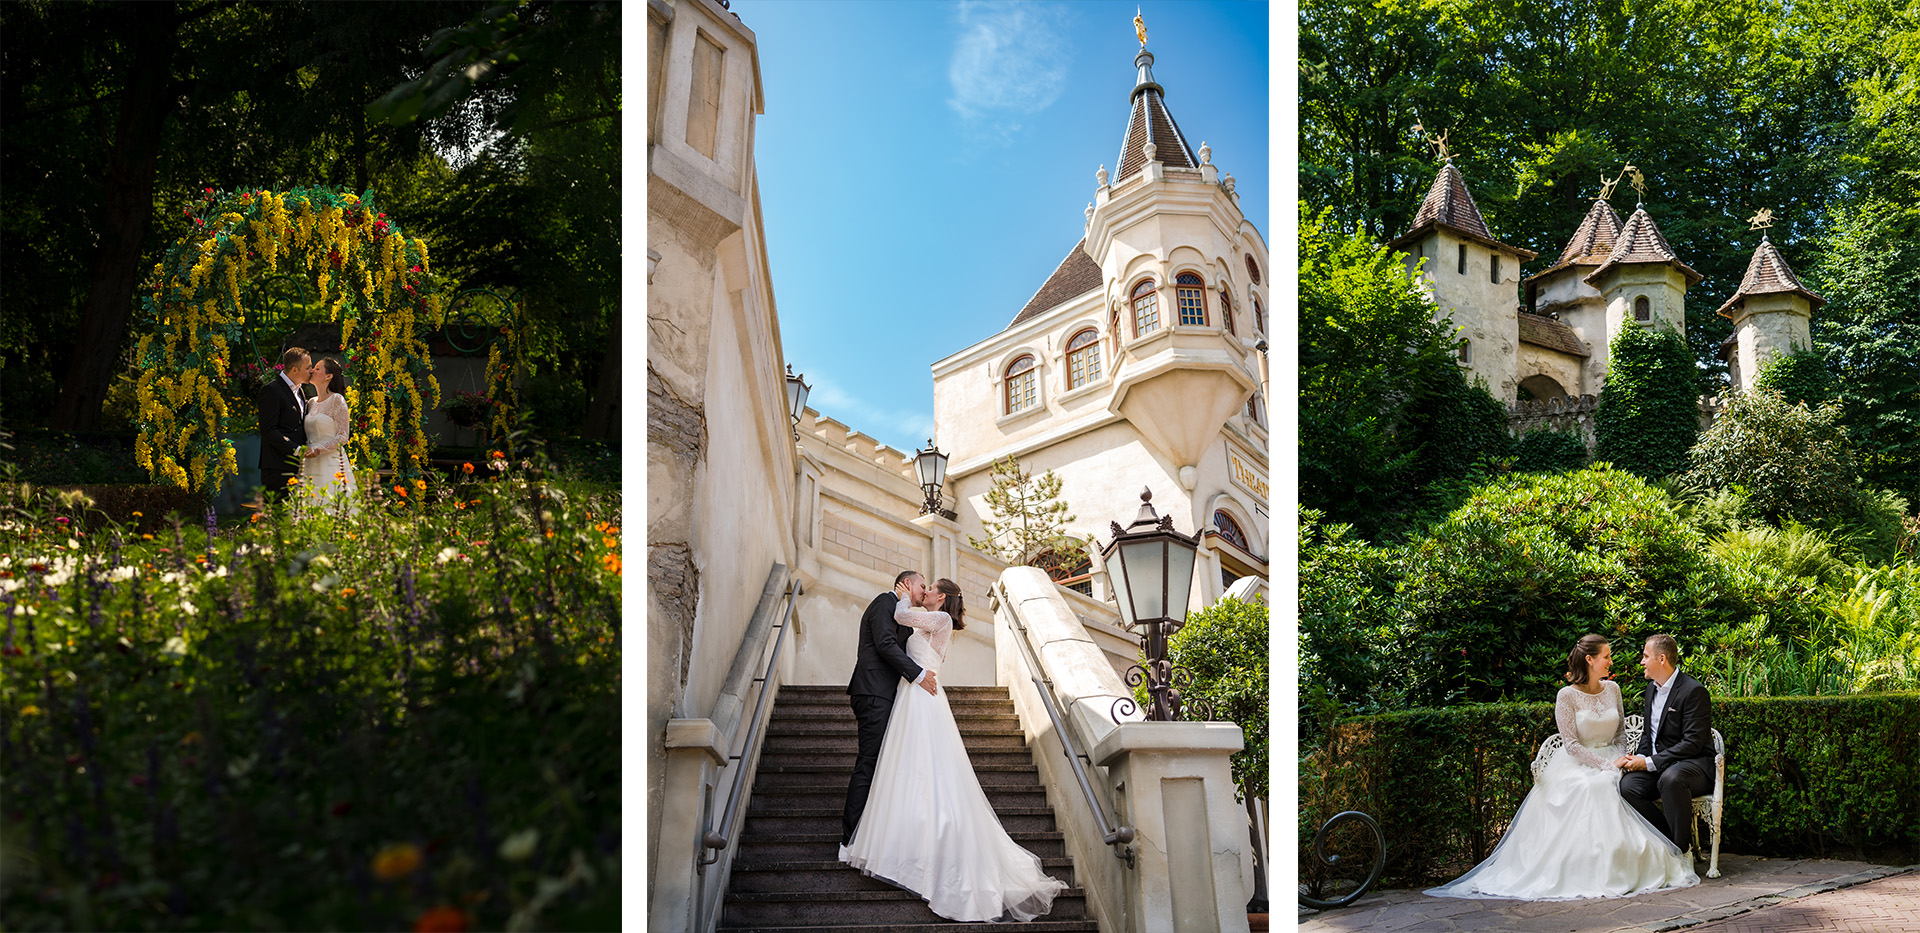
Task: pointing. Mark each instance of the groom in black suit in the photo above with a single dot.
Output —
(283, 420)
(877, 671)
(1674, 761)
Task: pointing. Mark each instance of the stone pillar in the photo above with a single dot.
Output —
(695, 754)
(1172, 783)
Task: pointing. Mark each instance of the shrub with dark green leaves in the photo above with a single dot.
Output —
(1649, 414)
(1794, 462)
(1800, 377)
(1821, 776)
(1348, 619)
(1549, 452)
(1225, 648)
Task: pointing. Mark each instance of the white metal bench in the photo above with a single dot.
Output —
(1708, 807)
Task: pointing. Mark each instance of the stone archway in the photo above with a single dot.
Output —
(1542, 387)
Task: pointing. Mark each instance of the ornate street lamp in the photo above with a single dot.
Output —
(1151, 566)
(931, 465)
(796, 398)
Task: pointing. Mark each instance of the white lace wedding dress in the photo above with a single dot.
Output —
(327, 480)
(1573, 836)
(928, 826)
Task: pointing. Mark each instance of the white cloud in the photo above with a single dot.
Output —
(893, 427)
(1010, 62)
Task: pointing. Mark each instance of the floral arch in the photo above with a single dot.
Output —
(204, 301)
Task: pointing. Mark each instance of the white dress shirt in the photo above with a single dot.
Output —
(299, 402)
(1659, 710)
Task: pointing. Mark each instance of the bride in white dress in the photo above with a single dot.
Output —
(326, 475)
(1574, 836)
(928, 826)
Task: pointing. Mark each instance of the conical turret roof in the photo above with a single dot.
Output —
(1450, 206)
(1151, 122)
(1640, 241)
(1769, 274)
(1592, 241)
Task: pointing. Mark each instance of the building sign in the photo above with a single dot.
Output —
(1246, 475)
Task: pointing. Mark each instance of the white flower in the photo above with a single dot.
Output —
(176, 647)
(123, 572)
(187, 606)
(520, 845)
(446, 554)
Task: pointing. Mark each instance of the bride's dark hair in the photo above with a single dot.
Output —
(954, 606)
(337, 384)
(1587, 647)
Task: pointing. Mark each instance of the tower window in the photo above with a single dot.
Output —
(1253, 409)
(1083, 359)
(1226, 311)
(1022, 385)
(1253, 271)
(1494, 275)
(1259, 317)
(1463, 259)
(1230, 530)
(1146, 308)
(1465, 353)
(1642, 309)
(1192, 295)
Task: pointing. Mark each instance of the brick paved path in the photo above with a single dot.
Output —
(1890, 905)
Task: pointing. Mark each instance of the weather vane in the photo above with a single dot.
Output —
(1140, 27)
(1607, 185)
(1639, 183)
(1761, 220)
(1439, 144)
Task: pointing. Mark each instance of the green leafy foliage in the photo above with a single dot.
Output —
(314, 722)
(1791, 462)
(1649, 414)
(1828, 776)
(1801, 378)
(1225, 648)
(1548, 451)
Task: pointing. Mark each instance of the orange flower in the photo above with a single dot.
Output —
(396, 861)
(256, 517)
(346, 591)
(441, 919)
(458, 504)
(612, 560)
(419, 484)
(495, 455)
(293, 480)
(340, 475)
(402, 490)
(467, 467)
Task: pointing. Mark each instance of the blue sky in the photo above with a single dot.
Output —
(924, 166)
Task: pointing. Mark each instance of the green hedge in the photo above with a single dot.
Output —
(1805, 776)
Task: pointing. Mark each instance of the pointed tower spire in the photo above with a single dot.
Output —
(1640, 241)
(1768, 274)
(1449, 206)
(1593, 240)
(1149, 123)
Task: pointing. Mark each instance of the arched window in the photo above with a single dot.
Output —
(1191, 292)
(1642, 309)
(1253, 271)
(1083, 359)
(1230, 530)
(1146, 308)
(1464, 354)
(1071, 569)
(1022, 386)
(1226, 310)
(1253, 408)
(1259, 317)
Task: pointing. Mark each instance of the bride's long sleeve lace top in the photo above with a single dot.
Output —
(936, 626)
(335, 408)
(1567, 707)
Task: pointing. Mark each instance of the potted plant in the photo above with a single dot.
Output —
(468, 409)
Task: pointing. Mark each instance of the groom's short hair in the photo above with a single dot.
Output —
(292, 356)
(1666, 647)
(904, 576)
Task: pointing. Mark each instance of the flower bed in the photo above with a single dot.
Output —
(404, 719)
(1805, 775)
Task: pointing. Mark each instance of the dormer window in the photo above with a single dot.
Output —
(1146, 308)
(1083, 359)
(1022, 385)
(1642, 309)
(1191, 292)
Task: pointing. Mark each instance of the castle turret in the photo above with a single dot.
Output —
(1642, 281)
(1472, 278)
(1560, 293)
(1771, 314)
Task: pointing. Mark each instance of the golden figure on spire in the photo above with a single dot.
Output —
(1607, 185)
(1761, 220)
(1140, 27)
(1439, 144)
(1639, 182)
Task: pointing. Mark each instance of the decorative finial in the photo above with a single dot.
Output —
(1607, 186)
(1149, 150)
(1761, 220)
(1140, 27)
(1089, 212)
(1101, 175)
(1439, 144)
(1206, 153)
(1146, 494)
(1639, 184)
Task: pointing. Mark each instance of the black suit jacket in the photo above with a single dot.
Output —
(1685, 726)
(882, 662)
(282, 430)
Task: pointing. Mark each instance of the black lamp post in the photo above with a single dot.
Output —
(1152, 569)
(931, 465)
(796, 398)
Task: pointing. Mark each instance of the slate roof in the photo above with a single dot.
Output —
(1640, 241)
(1150, 122)
(1076, 275)
(1767, 274)
(1543, 331)
(1592, 241)
(1449, 205)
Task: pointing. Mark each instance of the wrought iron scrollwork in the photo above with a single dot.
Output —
(474, 319)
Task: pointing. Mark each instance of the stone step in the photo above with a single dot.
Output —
(1035, 926)
(840, 690)
(841, 720)
(769, 801)
(827, 820)
(980, 757)
(892, 906)
(785, 739)
(822, 876)
(827, 777)
(824, 847)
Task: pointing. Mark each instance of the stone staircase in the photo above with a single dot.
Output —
(787, 875)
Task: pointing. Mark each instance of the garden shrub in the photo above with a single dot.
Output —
(1549, 452)
(1348, 617)
(1800, 377)
(1820, 776)
(48, 458)
(1793, 462)
(1649, 414)
(1225, 648)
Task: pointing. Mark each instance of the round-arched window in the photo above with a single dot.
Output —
(1230, 530)
(1226, 310)
(1146, 308)
(1022, 385)
(1191, 293)
(1642, 309)
(1083, 359)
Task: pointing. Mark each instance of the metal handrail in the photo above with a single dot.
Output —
(1117, 836)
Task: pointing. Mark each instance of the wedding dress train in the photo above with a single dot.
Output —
(1573, 836)
(928, 826)
(328, 480)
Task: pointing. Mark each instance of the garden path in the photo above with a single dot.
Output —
(1747, 884)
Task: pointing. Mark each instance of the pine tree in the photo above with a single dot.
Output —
(1031, 528)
